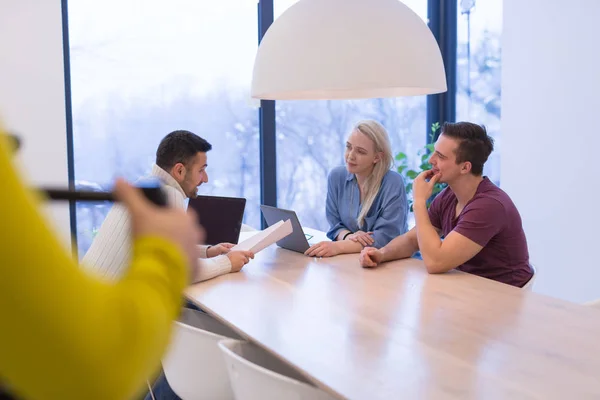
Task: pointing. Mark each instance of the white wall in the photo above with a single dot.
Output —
(551, 138)
(32, 92)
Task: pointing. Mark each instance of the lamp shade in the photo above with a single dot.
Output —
(347, 49)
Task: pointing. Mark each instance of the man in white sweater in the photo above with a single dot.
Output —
(181, 163)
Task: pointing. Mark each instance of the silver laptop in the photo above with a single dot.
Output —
(297, 240)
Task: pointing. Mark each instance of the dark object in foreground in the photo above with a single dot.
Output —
(152, 192)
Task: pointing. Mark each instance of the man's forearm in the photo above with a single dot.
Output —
(403, 246)
(206, 269)
(428, 238)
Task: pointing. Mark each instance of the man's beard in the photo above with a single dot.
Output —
(193, 193)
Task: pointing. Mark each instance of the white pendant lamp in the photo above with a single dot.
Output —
(347, 49)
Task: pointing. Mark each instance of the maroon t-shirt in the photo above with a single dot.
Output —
(491, 220)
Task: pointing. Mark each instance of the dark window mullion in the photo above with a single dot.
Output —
(442, 15)
(69, 123)
(266, 118)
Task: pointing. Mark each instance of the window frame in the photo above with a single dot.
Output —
(442, 20)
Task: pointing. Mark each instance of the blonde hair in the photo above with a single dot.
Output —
(377, 133)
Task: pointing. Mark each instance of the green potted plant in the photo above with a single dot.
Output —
(410, 174)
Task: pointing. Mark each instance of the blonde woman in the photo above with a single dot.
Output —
(366, 201)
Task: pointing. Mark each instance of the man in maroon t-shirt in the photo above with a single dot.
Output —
(481, 226)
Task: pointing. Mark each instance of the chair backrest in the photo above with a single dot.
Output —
(194, 365)
(529, 284)
(257, 375)
(593, 303)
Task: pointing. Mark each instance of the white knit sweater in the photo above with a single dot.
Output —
(110, 252)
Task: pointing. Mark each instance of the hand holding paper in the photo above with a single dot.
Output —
(266, 237)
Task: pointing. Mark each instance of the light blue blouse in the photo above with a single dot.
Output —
(387, 217)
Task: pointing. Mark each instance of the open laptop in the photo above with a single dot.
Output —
(221, 217)
(297, 240)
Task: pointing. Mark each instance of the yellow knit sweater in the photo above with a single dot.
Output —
(65, 334)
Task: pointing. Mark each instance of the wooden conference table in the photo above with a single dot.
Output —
(396, 332)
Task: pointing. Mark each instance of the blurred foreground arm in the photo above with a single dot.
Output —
(67, 335)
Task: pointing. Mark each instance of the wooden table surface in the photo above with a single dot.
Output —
(397, 332)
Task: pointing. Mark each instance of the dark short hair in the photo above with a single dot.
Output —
(180, 147)
(475, 145)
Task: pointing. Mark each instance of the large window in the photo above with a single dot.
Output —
(311, 137)
(478, 91)
(140, 69)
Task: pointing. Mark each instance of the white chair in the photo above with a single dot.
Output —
(194, 365)
(594, 303)
(257, 375)
(529, 284)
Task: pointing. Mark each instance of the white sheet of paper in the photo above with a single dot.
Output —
(265, 238)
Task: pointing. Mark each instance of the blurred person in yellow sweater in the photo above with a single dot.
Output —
(68, 335)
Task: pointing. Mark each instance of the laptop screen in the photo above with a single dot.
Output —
(221, 217)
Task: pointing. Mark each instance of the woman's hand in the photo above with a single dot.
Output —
(364, 238)
(323, 249)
